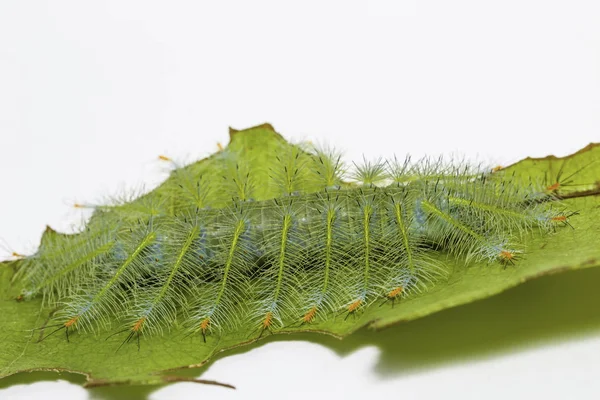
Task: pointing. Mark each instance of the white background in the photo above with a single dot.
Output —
(92, 92)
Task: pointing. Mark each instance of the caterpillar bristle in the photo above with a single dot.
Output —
(369, 173)
(329, 166)
(212, 252)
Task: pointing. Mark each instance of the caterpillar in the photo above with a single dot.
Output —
(286, 236)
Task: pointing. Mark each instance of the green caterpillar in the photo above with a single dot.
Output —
(278, 240)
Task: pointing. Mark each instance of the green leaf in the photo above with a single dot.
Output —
(94, 355)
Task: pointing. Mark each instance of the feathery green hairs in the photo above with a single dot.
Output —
(211, 250)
